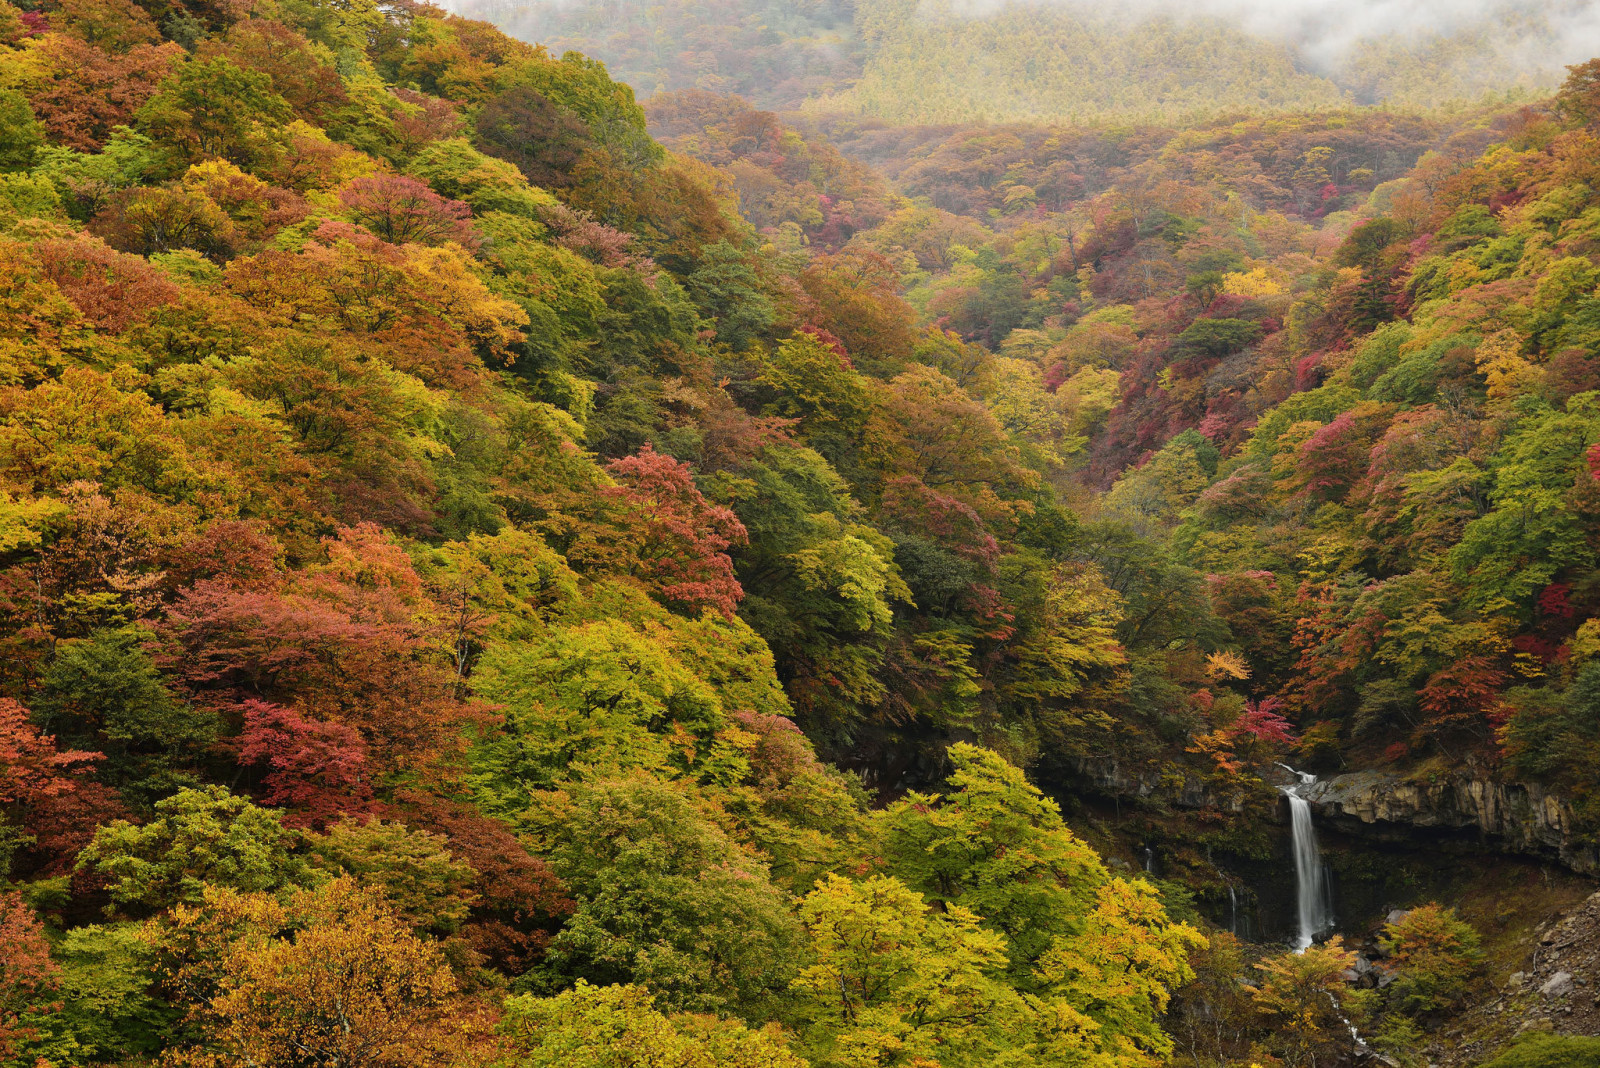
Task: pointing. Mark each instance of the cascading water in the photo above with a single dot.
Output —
(1312, 902)
(1312, 898)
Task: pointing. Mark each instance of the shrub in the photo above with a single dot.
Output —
(1433, 953)
(1549, 1051)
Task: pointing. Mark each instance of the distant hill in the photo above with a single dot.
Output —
(953, 61)
(776, 53)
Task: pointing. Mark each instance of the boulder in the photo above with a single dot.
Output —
(1558, 985)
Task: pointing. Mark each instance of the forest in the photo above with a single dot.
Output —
(1068, 61)
(497, 573)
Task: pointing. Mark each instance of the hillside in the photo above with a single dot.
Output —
(493, 573)
(1059, 61)
(778, 53)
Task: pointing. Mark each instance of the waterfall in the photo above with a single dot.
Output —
(1149, 859)
(1233, 912)
(1310, 877)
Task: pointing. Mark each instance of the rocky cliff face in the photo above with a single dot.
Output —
(1464, 808)
(1108, 778)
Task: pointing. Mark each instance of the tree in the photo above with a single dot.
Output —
(214, 108)
(995, 845)
(518, 900)
(655, 526)
(112, 25)
(109, 1005)
(544, 140)
(400, 209)
(198, 838)
(434, 316)
(1579, 98)
(596, 700)
(815, 384)
(665, 900)
(328, 976)
(46, 798)
(82, 95)
(824, 584)
(1214, 338)
(349, 644)
(1432, 953)
(319, 770)
(892, 980)
(856, 297)
(725, 285)
(619, 1027)
(1305, 997)
(1213, 1014)
(421, 882)
(113, 291)
(91, 427)
(944, 457)
(105, 693)
(311, 87)
(151, 221)
(1121, 967)
(28, 983)
(20, 134)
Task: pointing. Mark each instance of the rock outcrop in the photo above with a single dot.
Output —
(1555, 992)
(1109, 779)
(1467, 809)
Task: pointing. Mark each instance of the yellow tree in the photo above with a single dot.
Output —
(327, 977)
(619, 1027)
(893, 981)
(1306, 1001)
(1120, 969)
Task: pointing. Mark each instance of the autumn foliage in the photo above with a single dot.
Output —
(492, 571)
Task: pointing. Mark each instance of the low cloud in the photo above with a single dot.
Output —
(1328, 30)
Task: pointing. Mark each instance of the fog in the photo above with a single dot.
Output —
(1531, 35)
(1326, 30)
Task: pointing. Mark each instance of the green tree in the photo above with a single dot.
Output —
(816, 385)
(110, 1005)
(821, 584)
(993, 844)
(594, 700)
(197, 837)
(212, 108)
(666, 900)
(21, 136)
(105, 694)
(414, 870)
(728, 289)
(1532, 532)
